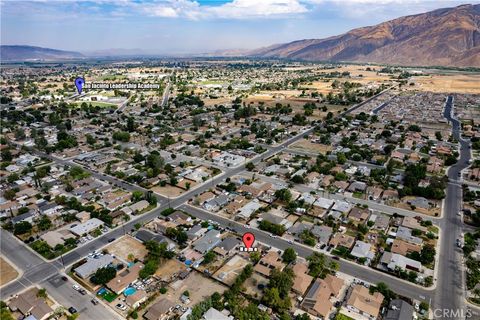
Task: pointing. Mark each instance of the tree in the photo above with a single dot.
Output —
(255, 256)
(283, 195)
(316, 264)
(137, 196)
(208, 257)
(289, 255)
(42, 293)
(104, 275)
(384, 290)
(22, 227)
(250, 166)
(44, 223)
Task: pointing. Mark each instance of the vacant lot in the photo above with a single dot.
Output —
(125, 246)
(306, 145)
(7, 272)
(251, 285)
(198, 286)
(168, 191)
(230, 270)
(168, 269)
(448, 83)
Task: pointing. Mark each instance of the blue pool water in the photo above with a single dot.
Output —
(131, 264)
(101, 291)
(129, 291)
(188, 262)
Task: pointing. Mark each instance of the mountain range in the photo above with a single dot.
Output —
(27, 53)
(443, 37)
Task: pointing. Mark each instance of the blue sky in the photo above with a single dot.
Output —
(187, 26)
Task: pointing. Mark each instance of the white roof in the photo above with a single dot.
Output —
(86, 227)
(214, 314)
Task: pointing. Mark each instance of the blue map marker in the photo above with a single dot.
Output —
(79, 82)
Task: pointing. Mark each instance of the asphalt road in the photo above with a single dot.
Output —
(450, 292)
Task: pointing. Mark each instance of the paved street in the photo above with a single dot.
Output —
(450, 292)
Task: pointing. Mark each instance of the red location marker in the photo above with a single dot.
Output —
(248, 239)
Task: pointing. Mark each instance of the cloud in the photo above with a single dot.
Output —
(237, 9)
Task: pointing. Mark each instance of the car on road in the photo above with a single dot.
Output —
(82, 292)
(75, 287)
(111, 239)
(459, 243)
(121, 306)
(290, 241)
(94, 301)
(72, 310)
(64, 278)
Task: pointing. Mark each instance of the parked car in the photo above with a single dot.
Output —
(94, 301)
(72, 310)
(83, 292)
(121, 306)
(111, 239)
(75, 287)
(64, 278)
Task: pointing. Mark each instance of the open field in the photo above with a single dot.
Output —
(305, 145)
(7, 272)
(461, 83)
(125, 246)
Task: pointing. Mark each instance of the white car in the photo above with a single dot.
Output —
(246, 226)
(121, 306)
(75, 287)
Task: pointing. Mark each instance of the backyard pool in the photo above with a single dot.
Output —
(129, 291)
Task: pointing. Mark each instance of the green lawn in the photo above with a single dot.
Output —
(109, 296)
(341, 316)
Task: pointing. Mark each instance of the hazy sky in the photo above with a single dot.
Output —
(187, 26)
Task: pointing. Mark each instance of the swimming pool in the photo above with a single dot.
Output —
(129, 291)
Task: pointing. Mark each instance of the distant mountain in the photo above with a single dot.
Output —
(25, 53)
(443, 37)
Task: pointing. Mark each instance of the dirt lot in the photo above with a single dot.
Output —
(230, 270)
(198, 286)
(168, 191)
(306, 145)
(169, 268)
(461, 83)
(430, 212)
(251, 285)
(127, 245)
(7, 272)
